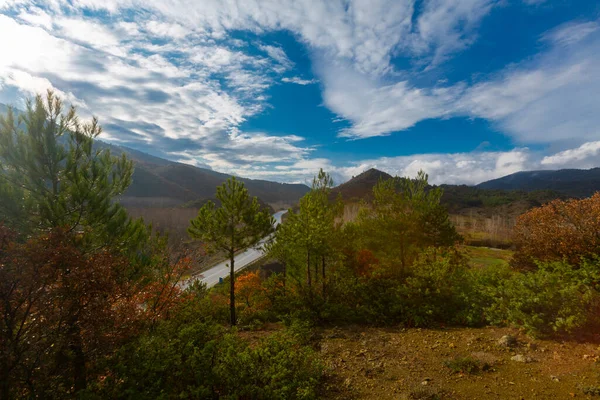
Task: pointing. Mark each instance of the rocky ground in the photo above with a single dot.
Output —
(465, 363)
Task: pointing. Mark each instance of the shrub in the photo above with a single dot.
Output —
(191, 358)
(436, 290)
(558, 230)
(556, 298)
(279, 367)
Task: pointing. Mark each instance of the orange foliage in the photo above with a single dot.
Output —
(249, 288)
(366, 262)
(558, 230)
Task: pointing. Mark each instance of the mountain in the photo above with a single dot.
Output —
(570, 182)
(160, 182)
(360, 186)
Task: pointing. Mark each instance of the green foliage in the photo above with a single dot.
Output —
(405, 218)
(437, 289)
(456, 198)
(51, 176)
(278, 368)
(556, 298)
(305, 243)
(191, 358)
(237, 224)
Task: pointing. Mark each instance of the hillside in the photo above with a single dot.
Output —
(571, 182)
(157, 181)
(360, 186)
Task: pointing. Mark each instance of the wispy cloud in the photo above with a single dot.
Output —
(299, 81)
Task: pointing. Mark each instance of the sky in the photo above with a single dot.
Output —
(466, 90)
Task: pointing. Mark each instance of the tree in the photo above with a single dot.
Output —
(560, 230)
(52, 175)
(237, 224)
(404, 218)
(64, 309)
(307, 236)
(77, 275)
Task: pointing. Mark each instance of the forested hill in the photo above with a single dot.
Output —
(360, 186)
(570, 182)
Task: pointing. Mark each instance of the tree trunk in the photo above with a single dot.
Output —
(284, 277)
(79, 367)
(308, 277)
(232, 290)
(4, 383)
(323, 267)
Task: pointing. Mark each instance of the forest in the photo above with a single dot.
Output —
(91, 305)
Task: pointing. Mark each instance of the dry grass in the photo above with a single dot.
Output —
(494, 231)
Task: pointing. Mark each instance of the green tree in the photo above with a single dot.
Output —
(52, 175)
(405, 217)
(237, 224)
(307, 237)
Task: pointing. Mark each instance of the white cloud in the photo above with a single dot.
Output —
(166, 29)
(278, 54)
(447, 26)
(552, 98)
(377, 110)
(299, 81)
(571, 32)
(89, 33)
(585, 156)
(37, 17)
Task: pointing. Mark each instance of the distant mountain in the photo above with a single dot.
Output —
(160, 182)
(360, 186)
(570, 182)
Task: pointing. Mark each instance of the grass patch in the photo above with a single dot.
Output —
(485, 257)
(591, 390)
(466, 365)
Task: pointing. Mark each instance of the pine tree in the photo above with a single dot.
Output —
(306, 237)
(237, 224)
(51, 175)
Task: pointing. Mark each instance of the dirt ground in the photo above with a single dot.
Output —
(396, 363)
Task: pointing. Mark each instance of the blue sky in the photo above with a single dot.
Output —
(467, 90)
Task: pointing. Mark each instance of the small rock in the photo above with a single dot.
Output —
(425, 383)
(554, 378)
(521, 358)
(507, 341)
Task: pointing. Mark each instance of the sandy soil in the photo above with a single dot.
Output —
(396, 363)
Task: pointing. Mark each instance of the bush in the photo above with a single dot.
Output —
(279, 367)
(556, 298)
(437, 290)
(191, 358)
